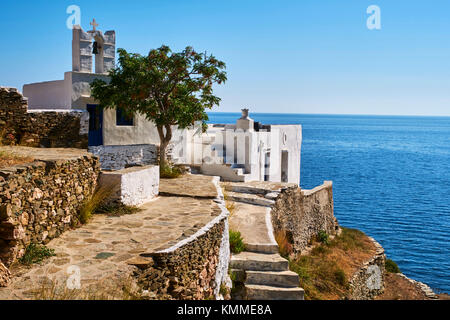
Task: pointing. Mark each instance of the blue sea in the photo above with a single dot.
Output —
(391, 178)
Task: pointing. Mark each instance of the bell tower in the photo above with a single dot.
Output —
(93, 44)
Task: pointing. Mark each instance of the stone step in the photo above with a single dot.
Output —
(262, 247)
(259, 262)
(247, 189)
(261, 292)
(283, 279)
(250, 199)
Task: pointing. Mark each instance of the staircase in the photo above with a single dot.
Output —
(264, 273)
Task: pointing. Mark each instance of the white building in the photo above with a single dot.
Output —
(245, 151)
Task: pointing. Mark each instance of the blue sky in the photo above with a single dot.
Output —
(282, 56)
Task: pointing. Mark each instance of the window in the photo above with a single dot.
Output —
(124, 119)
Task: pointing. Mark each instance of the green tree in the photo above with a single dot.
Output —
(169, 89)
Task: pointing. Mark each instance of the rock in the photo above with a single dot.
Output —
(37, 194)
(104, 255)
(5, 212)
(141, 262)
(272, 195)
(5, 276)
(11, 232)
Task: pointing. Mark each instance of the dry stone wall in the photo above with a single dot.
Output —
(40, 200)
(189, 272)
(302, 214)
(51, 129)
(368, 281)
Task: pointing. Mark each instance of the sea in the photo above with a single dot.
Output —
(391, 179)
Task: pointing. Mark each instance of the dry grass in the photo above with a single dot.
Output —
(117, 210)
(120, 289)
(284, 244)
(99, 198)
(230, 205)
(325, 271)
(8, 159)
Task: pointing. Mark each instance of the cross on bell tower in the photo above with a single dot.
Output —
(94, 24)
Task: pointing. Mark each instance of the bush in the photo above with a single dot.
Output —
(340, 277)
(236, 242)
(391, 266)
(168, 172)
(323, 237)
(36, 254)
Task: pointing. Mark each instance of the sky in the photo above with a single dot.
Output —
(294, 56)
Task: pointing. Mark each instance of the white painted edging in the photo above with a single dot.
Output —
(325, 185)
(270, 226)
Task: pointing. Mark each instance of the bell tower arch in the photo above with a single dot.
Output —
(93, 44)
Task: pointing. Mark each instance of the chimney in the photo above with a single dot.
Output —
(245, 122)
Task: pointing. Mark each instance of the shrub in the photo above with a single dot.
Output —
(169, 172)
(340, 277)
(224, 290)
(36, 254)
(284, 245)
(391, 266)
(323, 237)
(236, 242)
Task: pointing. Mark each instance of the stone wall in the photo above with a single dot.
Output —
(51, 129)
(39, 201)
(368, 281)
(196, 267)
(302, 214)
(121, 157)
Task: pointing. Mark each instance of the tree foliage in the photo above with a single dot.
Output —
(169, 89)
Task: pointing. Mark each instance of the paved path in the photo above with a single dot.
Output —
(250, 220)
(102, 249)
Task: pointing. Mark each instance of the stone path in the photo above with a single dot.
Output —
(104, 248)
(45, 154)
(264, 272)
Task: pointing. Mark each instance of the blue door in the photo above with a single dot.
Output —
(95, 125)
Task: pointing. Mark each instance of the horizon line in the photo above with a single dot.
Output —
(337, 114)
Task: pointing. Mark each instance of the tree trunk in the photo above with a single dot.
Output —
(165, 139)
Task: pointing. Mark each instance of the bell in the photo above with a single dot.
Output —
(95, 49)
